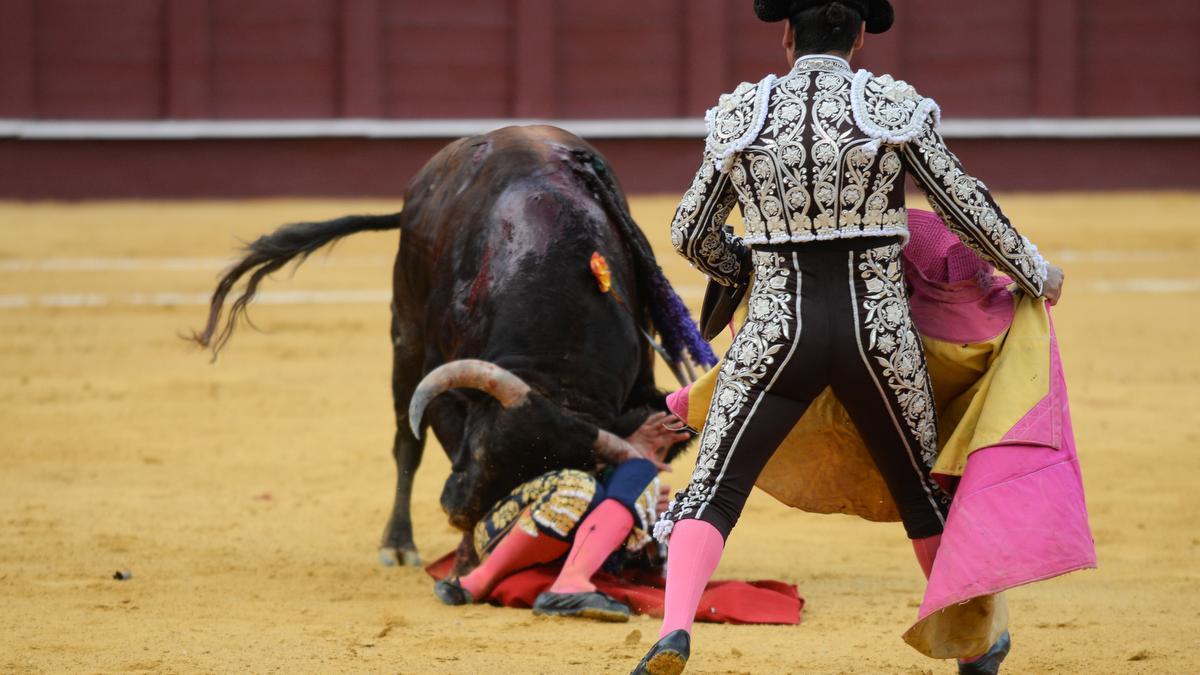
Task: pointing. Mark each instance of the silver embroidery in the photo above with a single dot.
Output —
(821, 154)
(968, 209)
(767, 331)
(698, 231)
(736, 119)
(890, 110)
(810, 174)
(895, 346)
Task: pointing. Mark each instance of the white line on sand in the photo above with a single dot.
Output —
(1065, 256)
(135, 264)
(191, 264)
(382, 296)
(1151, 286)
(74, 300)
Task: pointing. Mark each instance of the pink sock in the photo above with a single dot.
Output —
(926, 550)
(605, 528)
(692, 556)
(516, 551)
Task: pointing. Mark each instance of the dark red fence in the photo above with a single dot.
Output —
(151, 59)
(155, 60)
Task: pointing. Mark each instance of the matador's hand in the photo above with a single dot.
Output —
(1052, 289)
(653, 439)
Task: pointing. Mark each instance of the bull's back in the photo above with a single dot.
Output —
(507, 230)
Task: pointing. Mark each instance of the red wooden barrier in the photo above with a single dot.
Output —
(151, 59)
(409, 59)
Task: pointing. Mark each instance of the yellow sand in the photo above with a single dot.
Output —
(247, 496)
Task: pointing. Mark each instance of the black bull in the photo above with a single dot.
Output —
(502, 341)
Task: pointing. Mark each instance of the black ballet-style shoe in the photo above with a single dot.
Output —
(451, 592)
(989, 663)
(668, 656)
(587, 605)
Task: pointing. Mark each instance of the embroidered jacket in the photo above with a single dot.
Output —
(821, 154)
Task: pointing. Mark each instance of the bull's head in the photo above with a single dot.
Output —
(525, 436)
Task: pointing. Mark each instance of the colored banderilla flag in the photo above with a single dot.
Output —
(601, 272)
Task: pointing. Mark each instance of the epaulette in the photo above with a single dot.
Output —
(889, 110)
(736, 120)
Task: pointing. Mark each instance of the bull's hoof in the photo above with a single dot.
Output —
(393, 557)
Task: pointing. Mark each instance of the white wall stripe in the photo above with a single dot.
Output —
(43, 130)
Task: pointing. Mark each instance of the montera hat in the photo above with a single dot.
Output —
(877, 13)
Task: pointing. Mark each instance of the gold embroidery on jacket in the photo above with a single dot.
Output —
(555, 501)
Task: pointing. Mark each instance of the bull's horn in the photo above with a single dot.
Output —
(501, 384)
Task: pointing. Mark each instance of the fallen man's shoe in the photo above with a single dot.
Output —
(588, 605)
(451, 592)
(668, 656)
(989, 663)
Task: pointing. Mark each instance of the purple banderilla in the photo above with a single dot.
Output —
(675, 325)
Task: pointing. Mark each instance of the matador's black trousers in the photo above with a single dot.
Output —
(821, 314)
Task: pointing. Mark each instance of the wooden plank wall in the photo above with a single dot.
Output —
(230, 59)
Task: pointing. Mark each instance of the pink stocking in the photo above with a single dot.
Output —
(605, 528)
(926, 550)
(516, 551)
(694, 551)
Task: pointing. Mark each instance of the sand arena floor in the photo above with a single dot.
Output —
(247, 496)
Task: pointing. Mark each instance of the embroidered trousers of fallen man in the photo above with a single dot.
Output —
(822, 314)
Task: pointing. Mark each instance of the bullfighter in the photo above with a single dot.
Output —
(817, 161)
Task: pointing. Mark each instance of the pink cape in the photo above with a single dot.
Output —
(1018, 515)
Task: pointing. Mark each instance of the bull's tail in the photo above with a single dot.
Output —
(268, 254)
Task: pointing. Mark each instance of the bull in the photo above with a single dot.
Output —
(504, 341)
